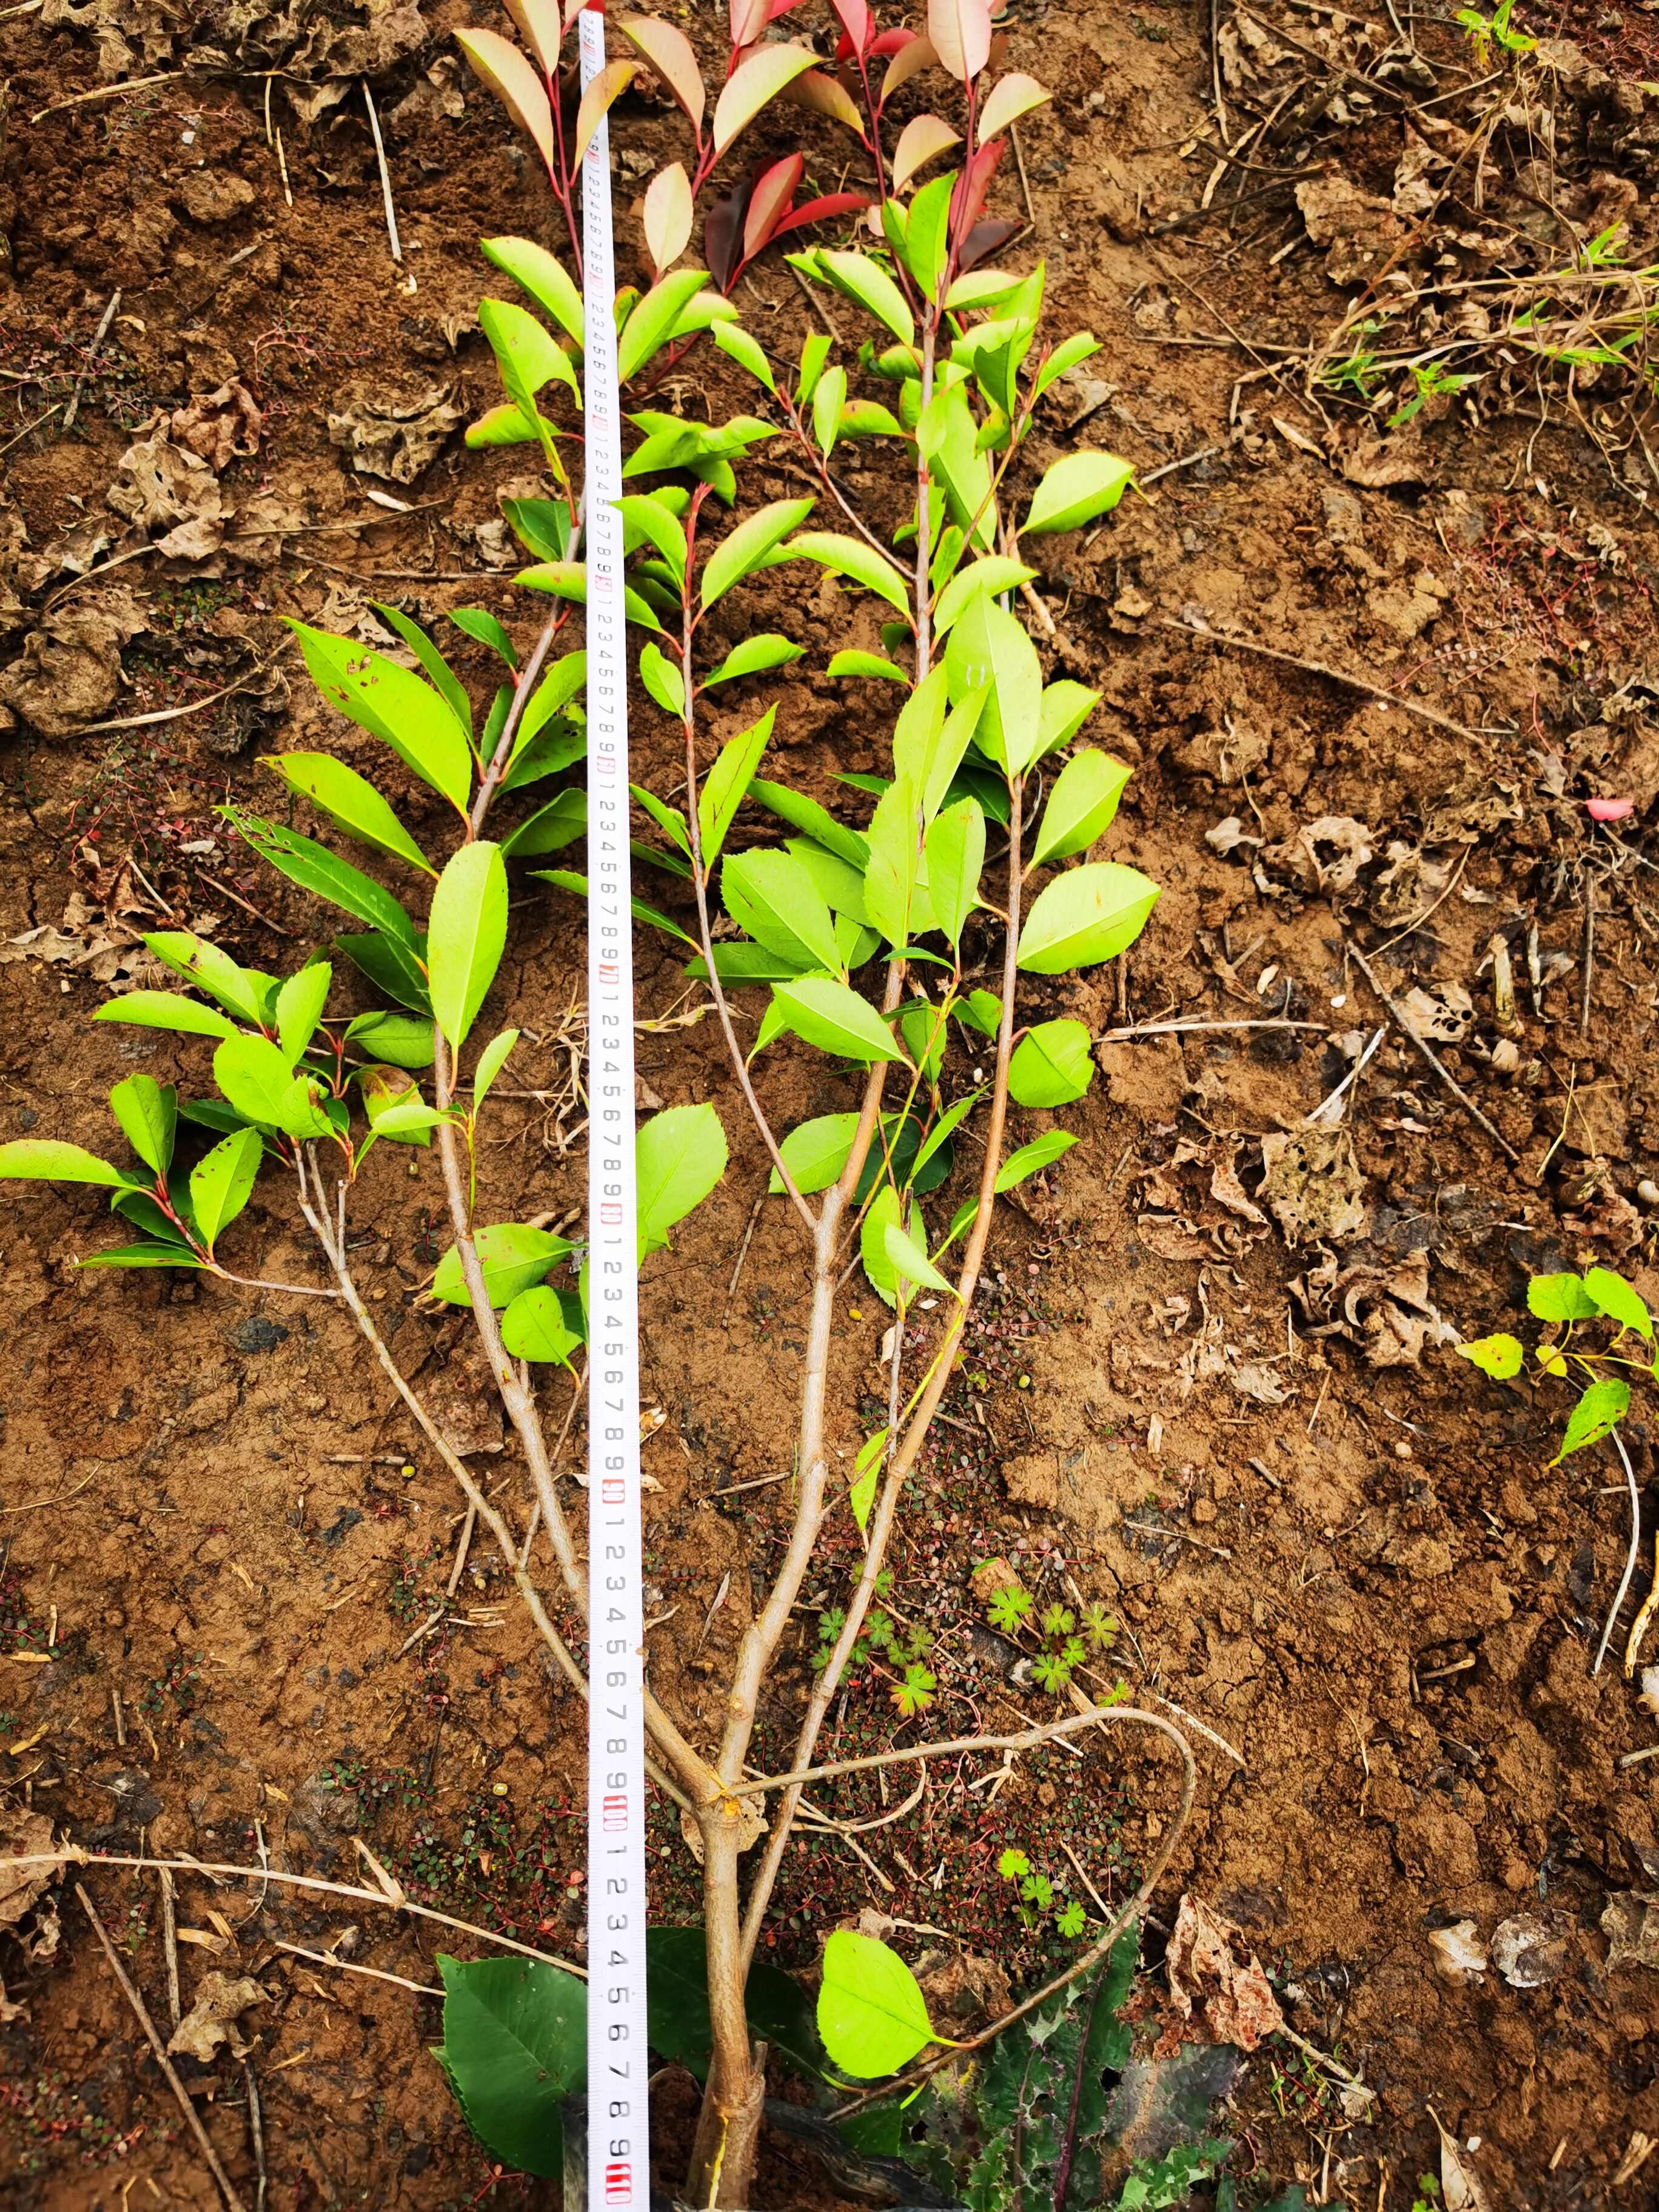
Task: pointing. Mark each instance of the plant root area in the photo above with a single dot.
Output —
(1209, 1384)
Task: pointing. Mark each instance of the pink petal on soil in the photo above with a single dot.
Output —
(1609, 810)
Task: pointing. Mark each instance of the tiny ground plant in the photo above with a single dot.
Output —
(860, 945)
(1595, 1317)
(1036, 1893)
(1058, 1639)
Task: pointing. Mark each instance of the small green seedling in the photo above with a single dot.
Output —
(1595, 1317)
(1485, 32)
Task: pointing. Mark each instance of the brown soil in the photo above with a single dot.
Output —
(1327, 1539)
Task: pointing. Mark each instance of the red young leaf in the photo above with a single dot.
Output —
(908, 60)
(889, 42)
(820, 210)
(826, 95)
(514, 84)
(757, 79)
(748, 21)
(972, 185)
(723, 235)
(855, 21)
(984, 240)
(769, 204)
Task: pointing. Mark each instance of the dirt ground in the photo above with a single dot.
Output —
(1228, 1408)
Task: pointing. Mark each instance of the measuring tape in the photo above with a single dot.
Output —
(618, 2122)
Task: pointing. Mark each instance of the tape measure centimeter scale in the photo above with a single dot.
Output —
(618, 2125)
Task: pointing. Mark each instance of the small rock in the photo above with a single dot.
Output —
(257, 1334)
(215, 195)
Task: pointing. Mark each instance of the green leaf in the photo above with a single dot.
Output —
(491, 1060)
(1052, 1065)
(144, 1256)
(853, 663)
(1066, 354)
(680, 1156)
(350, 801)
(534, 1328)
(449, 686)
(1032, 1159)
(1613, 1297)
(1500, 1356)
(753, 657)
(1081, 807)
(872, 2013)
(44, 1159)
(1597, 1414)
(549, 829)
(1560, 1298)
(990, 650)
(404, 1040)
(739, 962)
(513, 1256)
(866, 1473)
(1065, 707)
(299, 1008)
(743, 550)
(746, 352)
(816, 1151)
(515, 2044)
(478, 623)
(256, 1079)
(813, 821)
(941, 1133)
(929, 743)
(814, 351)
(323, 873)
(568, 580)
(221, 1182)
(890, 875)
(242, 991)
(1074, 491)
(568, 879)
(650, 326)
(392, 964)
(545, 278)
(662, 679)
(772, 896)
(833, 1017)
(165, 1009)
(866, 281)
(148, 1112)
(883, 1212)
(466, 934)
(826, 403)
(395, 1110)
(526, 354)
(724, 786)
(1088, 915)
(668, 819)
(649, 518)
(996, 573)
(392, 704)
(840, 883)
(911, 1264)
(852, 557)
(947, 438)
(927, 240)
(956, 855)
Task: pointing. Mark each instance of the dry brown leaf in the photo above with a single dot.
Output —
(1362, 233)
(24, 1835)
(392, 427)
(1216, 1986)
(221, 2001)
(1529, 1949)
(1312, 1186)
(220, 427)
(68, 673)
(1460, 1956)
(1630, 1923)
(1460, 2185)
(171, 494)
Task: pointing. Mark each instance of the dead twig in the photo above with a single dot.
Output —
(1630, 1556)
(1434, 1060)
(255, 2129)
(98, 337)
(386, 176)
(170, 1945)
(141, 2014)
(350, 1967)
(173, 714)
(1343, 676)
(106, 92)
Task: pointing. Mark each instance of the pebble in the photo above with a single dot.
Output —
(1648, 1191)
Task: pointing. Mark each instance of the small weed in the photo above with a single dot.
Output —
(180, 1680)
(1485, 32)
(1599, 1299)
(1430, 381)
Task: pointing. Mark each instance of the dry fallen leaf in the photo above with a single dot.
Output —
(1460, 2186)
(1630, 1923)
(1459, 1954)
(1529, 1950)
(221, 2001)
(1216, 1983)
(24, 1835)
(1313, 1186)
(392, 428)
